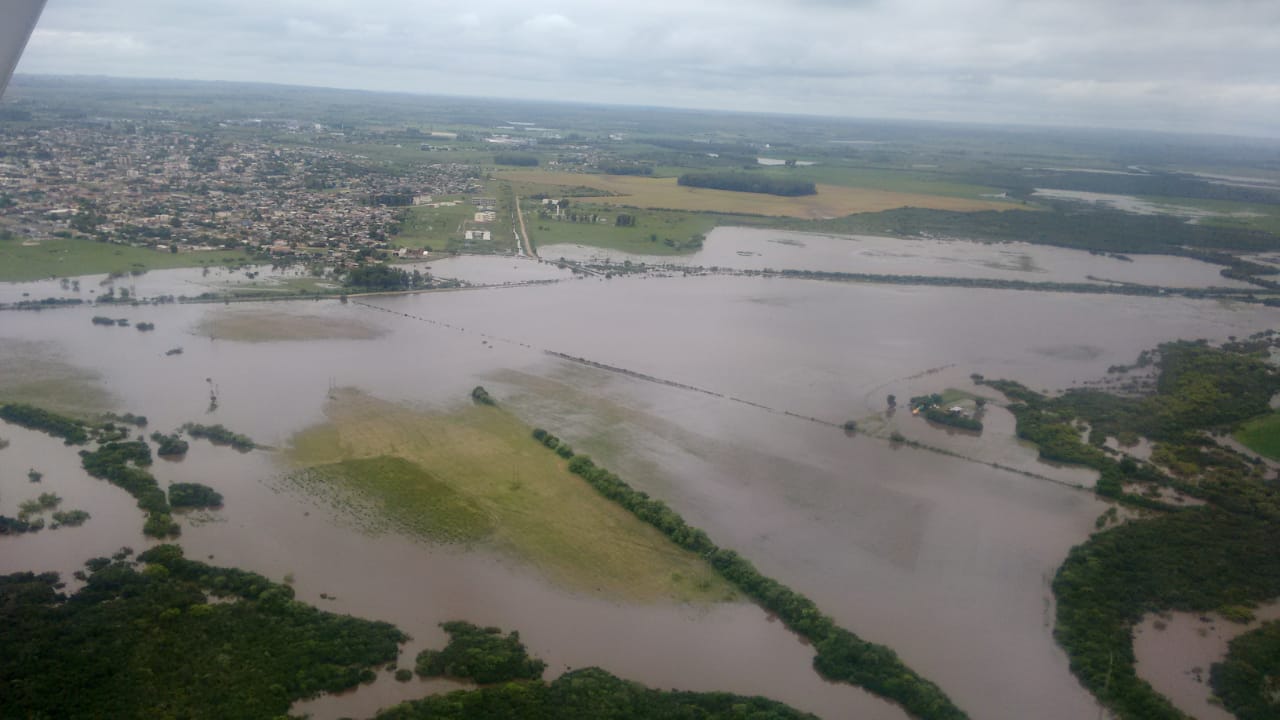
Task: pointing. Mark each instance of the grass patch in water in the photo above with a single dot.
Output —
(263, 326)
(35, 373)
(1262, 435)
(473, 473)
(410, 497)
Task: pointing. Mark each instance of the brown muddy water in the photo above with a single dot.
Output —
(945, 559)
(1175, 651)
(755, 249)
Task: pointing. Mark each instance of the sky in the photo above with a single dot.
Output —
(1176, 65)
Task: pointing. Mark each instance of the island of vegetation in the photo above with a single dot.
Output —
(194, 495)
(123, 464)
(482, 655)
(1221, 555)
(133, 638)
(383, 278)
(747, 182)
(29, 516)
(171, 445)
(934, 409)
(220, 435)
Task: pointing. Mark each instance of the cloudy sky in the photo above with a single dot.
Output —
(1197, 65)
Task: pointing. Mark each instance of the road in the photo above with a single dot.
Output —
(524, 234)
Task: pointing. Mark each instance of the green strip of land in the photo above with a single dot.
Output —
(71, 257)
(1262, 435)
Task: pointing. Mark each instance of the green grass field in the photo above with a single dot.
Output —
(72, 257)
(476, 473)
(433, 228)
(649, 235)
(1262, 435)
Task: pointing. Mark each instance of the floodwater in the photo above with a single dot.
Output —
(1175, 651)
(192, 282)
(755, 249)
(945, 559)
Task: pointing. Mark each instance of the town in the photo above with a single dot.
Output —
(149, 185)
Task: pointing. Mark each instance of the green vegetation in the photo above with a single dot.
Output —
(382, 278)
(73, 432)
(194, 495)
(18, 526)
(649, 232)
(841, 655)
(471, 474)
(953, 419)
(69, 257)
(46, 501)
(481, 396)
(1195, 560)
(483, 655)
(69, 518)
(1262, 435)
(408, 496)
(516, 159)
(588, 693)
(433, 228)
(931, 406)
(1219, 557)
(219, 435)
(146, 642)
(1248, 681)
(1199, 387)
(1071, 226)
(122, 464)
(747, 182)
(171, 445)
(25, 522)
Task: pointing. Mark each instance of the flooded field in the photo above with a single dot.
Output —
(192, 282)
(753, 249)
(941, 556)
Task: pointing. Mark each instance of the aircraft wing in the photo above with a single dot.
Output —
(17, 20)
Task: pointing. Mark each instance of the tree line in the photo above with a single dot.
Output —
(748, 182)
(841, 655)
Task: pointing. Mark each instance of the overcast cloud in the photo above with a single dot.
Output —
(1196, 65)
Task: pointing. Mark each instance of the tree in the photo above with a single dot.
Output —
(893, 401)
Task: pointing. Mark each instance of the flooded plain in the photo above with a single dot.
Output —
(720, 395)
(739, 248)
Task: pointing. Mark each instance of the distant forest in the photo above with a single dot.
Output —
(745, 182)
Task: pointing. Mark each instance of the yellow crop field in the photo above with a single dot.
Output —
(831, 201)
